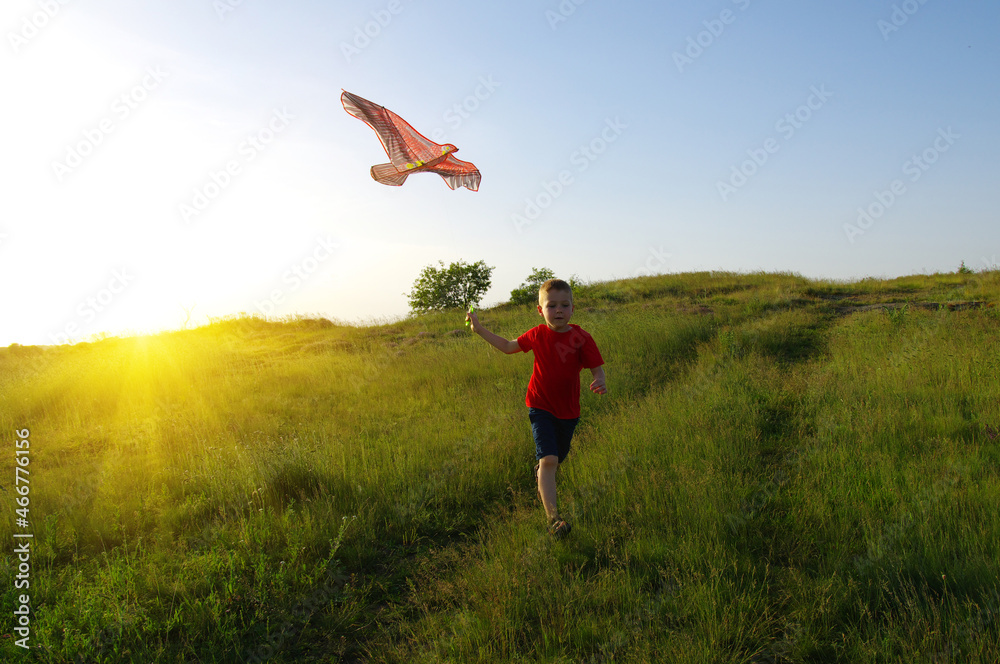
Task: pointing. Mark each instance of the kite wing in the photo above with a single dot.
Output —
(457, 173)
(404, 144)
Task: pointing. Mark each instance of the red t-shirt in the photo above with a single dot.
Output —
(559, 357)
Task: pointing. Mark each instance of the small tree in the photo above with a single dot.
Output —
(452, 287)
(527, 293)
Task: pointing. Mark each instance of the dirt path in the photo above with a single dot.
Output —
(952, 306)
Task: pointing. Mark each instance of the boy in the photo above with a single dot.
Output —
(553, 398)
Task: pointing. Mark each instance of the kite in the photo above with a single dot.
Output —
(409, 151)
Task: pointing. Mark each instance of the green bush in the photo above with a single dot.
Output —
(456, 286)
(527, 293)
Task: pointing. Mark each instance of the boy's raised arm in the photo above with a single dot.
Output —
(505, 345)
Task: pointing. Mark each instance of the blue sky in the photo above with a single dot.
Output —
(614, 139)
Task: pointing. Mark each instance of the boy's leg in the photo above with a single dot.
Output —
(564, 434)
(544, 428)
(547, 466)
(552, 443)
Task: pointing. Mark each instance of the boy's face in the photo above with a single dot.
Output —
(556, 308)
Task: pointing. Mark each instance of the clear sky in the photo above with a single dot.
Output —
(192, 157)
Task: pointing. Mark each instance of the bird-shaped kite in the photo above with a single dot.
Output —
(409, 151)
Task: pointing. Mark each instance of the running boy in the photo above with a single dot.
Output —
(553, 398)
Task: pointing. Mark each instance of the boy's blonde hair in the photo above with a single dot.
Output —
(554, 284)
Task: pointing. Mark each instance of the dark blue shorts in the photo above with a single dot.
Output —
(552, 435)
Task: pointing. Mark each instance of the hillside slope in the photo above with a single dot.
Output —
(783, 470)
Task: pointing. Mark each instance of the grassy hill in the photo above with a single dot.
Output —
(783, 470)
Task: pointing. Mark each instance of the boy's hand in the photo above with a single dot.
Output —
(597, 386)
(469, 316)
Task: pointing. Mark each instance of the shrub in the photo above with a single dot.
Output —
(456, 286)
(527, 293)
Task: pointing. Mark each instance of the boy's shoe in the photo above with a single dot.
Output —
(559, 528)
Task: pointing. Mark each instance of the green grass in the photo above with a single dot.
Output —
(772, 477)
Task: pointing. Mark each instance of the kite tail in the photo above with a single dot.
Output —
(387, 174)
